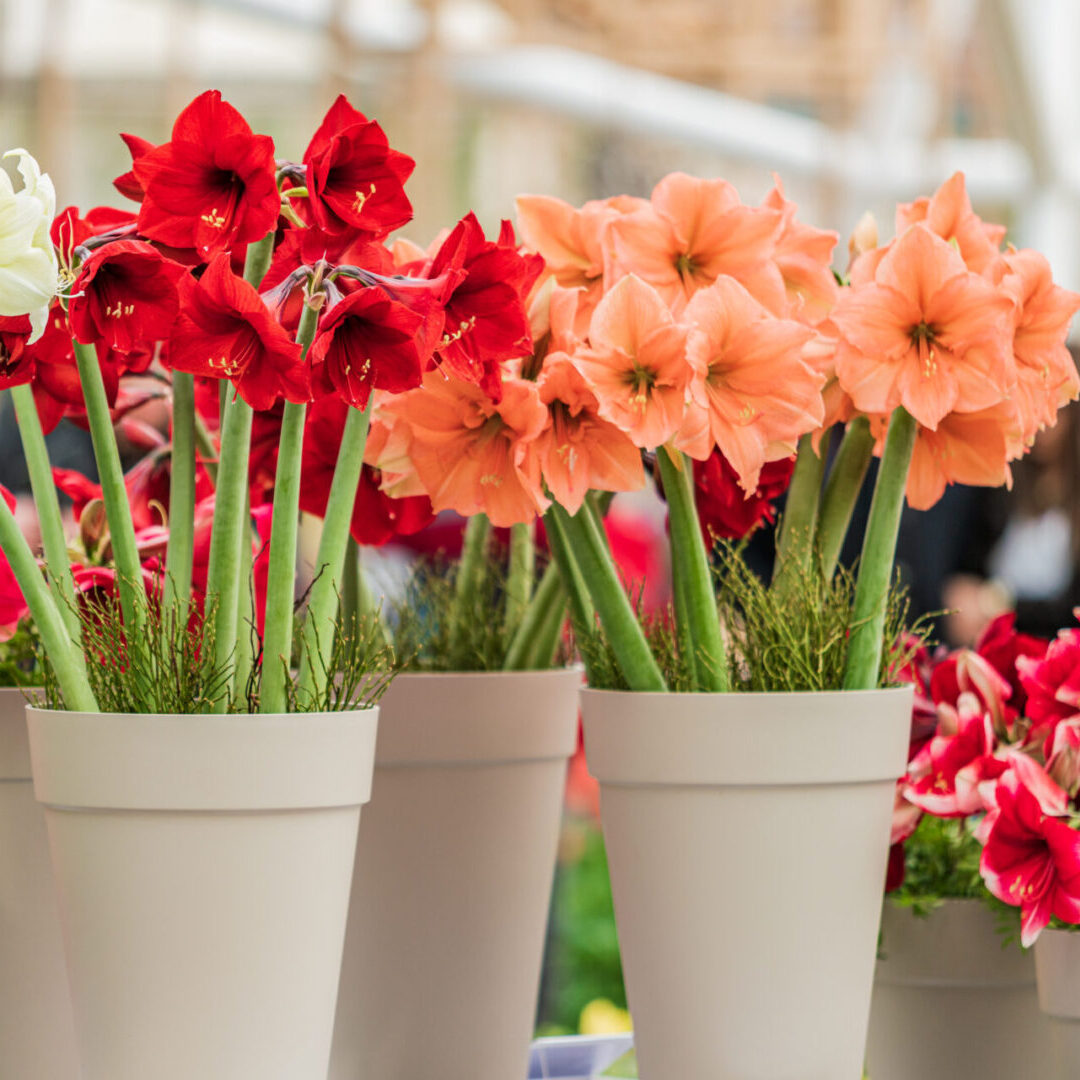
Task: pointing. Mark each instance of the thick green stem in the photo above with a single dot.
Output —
(795, 548)
(547, 603)
(582, 611)
(545, 646)
(111, 474)
(230, 530)
(681, 598)
(842, 490)
(208, 452)
(519, 581)
(178, 555)
(688, 546)
(258, 258)
(320, 622)
(863, 668)
(584, 536)
(53, 541)
(245, 609)
(357, 599)
(281, 577)
(65, 655)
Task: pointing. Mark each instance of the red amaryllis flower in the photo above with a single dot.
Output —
(16, 367)
(126, 183)
(366, 341)
(377, 518)
(486, 318)
(355, 181)
(951, 775)
(1052, 683)
(966, 672)
(225, 330)
(1032, 855)
(125, 296)
(70, 229)
(1001, 646)
(724, 508)
(213, 185)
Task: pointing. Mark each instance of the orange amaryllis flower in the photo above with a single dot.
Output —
(579, 450)
(571, 241)
(474, 455)
(926, 333)
(692, 232)
(1046, 373)
(804, 258)
(948, 213)
(636, 363)
(753, 395)
(972, 448)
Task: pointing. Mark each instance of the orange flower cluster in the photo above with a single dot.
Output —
(694, 321)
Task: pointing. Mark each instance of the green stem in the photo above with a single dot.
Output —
(111, 474)
(681, 597)
(65, 656)
(281, 577)
(320, 623)
(582, 611)
(842, 489)
(229, 531)
(245, 608)
(258, 258)
(352, 585)
(584, 536)
(519, 581)
(688, 546)
(208, 452)
(178, 555)
(550, 596)
(794, 550)
(863, 667)
(545, 645)
(358, 599)
(53, 541)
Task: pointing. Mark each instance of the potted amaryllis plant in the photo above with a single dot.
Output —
(951, 966)
(747, 833)
(457, 853)
(201, 764)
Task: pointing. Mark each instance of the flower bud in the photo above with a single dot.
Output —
(864, 237)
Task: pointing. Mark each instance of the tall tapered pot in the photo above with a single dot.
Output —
(37, 1034)
(202, 867)
(453, 877)
(951, 1002)
(747, 836)
(1057, 967)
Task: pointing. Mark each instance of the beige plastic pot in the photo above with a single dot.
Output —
(1057, 966)
(202, 867)
(453, 877)
(747, 836)
(950, 1003)
(37, 1034)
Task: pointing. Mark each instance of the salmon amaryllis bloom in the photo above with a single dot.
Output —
(693, 231)
(578, 449)
(926, 333)
(472, 454)
(636, 363)
(753, 394)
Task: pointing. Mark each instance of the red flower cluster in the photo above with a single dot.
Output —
(724, 508)
(1006, 752)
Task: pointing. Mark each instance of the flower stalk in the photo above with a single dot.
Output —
(65, 655)
(584, 537)
(863, 667)
(701, 614)
(519, 582)
(180, 551)
(842, 489)
(320, 622)
(53, 541)
(278, 626)
(534, 642)
(795, 548)
(114, 492)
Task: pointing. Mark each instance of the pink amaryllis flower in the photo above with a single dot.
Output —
(1031, 859)
(952, 775)
(1052, 683)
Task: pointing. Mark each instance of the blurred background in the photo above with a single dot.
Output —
(856, 104)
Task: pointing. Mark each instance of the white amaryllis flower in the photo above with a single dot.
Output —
(28, 270)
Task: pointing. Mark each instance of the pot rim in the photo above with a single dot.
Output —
(905, 688)
(202, 761)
